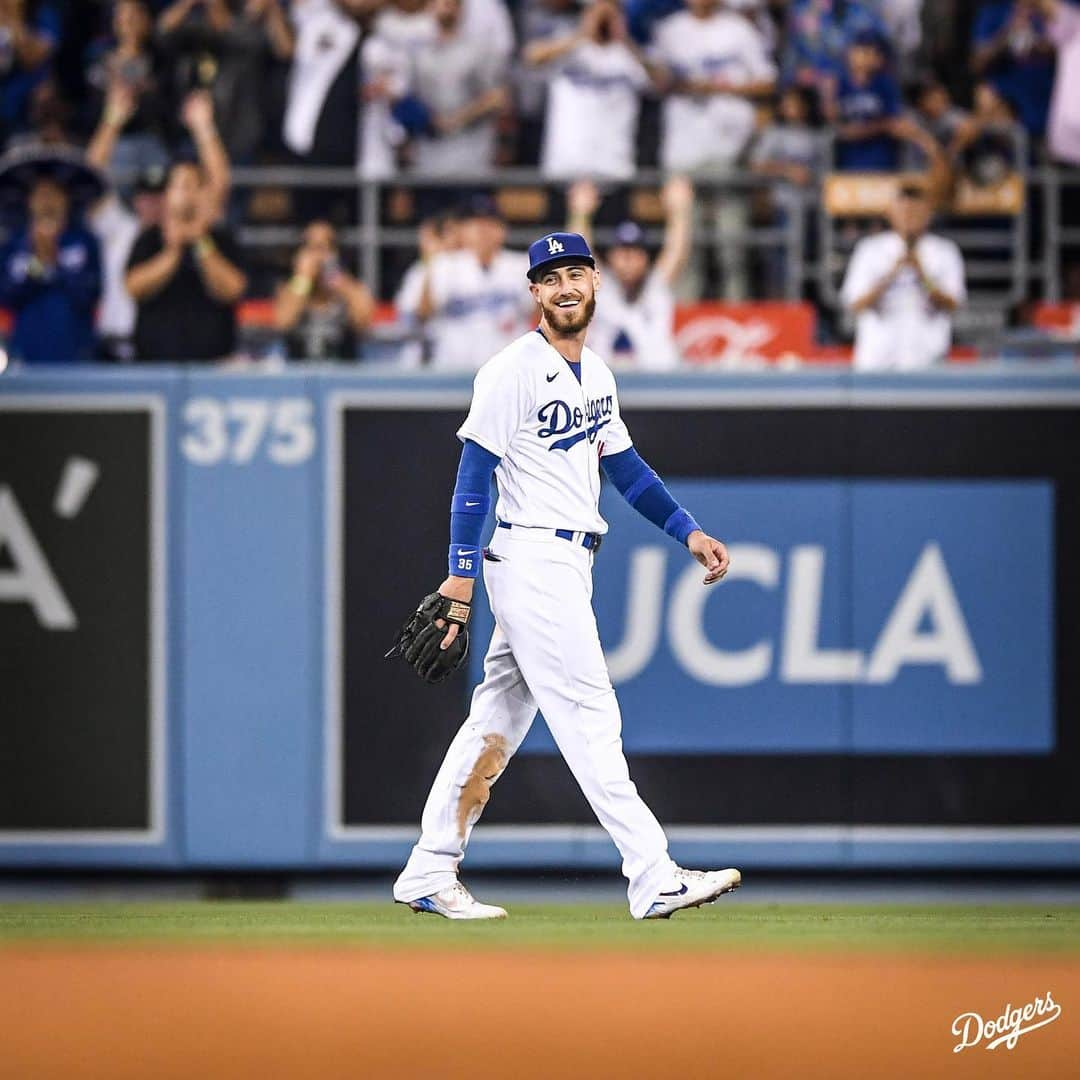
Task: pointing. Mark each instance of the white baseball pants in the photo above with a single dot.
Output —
(545, 653)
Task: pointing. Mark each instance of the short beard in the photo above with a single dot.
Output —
(568, 323)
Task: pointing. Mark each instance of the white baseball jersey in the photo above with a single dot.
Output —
(707, 130)
(479, 309)
(904, 331)
(592, 113)
(549, 432)
(638, 332)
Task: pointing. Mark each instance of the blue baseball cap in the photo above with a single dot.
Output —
(558, 249)
(629, 234)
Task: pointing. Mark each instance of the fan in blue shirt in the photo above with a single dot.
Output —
(29, 37)
(819, 33)
(50, 277)
(1013, 50)
(867, 106)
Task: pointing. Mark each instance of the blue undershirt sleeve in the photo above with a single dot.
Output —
(646, 493)
(469, 508)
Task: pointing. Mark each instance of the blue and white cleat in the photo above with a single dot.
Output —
(456, 902)
(692, 888)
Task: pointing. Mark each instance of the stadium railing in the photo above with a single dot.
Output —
(1014, 251)
(371, 236)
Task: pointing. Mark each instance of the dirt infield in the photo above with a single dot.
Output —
(192, 1012)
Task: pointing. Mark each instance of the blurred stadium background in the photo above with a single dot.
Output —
(255, 250)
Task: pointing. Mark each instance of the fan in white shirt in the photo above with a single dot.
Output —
(436, 236)
(634, 325)
(472, 299)
(462, 81)
(537, 21)
(717, 64)
(902, 287)
(714, 65)
(408, 24)
(384, 77)
(594, 97)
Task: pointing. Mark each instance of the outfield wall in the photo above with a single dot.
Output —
(200, 571)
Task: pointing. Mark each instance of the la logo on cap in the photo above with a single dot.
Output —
(554, 245)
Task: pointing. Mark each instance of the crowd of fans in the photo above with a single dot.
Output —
(167, 97)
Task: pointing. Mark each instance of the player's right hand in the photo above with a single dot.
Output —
(456, 588)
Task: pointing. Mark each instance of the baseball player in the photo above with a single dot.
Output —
(544, 419)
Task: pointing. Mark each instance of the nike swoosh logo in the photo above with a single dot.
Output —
(678, 892)
(472, 551)
(552, 378)
(472, 504)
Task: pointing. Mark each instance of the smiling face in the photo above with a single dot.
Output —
(567, 297)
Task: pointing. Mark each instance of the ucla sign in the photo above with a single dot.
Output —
(858, 617)
(927, 597)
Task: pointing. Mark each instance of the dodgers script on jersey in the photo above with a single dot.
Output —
(549, 432)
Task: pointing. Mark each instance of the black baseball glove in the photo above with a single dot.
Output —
(419, 639)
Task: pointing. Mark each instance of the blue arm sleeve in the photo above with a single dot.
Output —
(469, 507)
(645, 492)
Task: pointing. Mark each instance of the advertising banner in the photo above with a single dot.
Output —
(81, 610)
(856, 618)
(890, 649)
(738, 335)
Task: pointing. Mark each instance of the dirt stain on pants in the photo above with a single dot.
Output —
(476, 790)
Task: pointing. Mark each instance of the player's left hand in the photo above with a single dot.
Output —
(710, 553)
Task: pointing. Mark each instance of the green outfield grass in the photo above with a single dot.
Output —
(978, 929)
